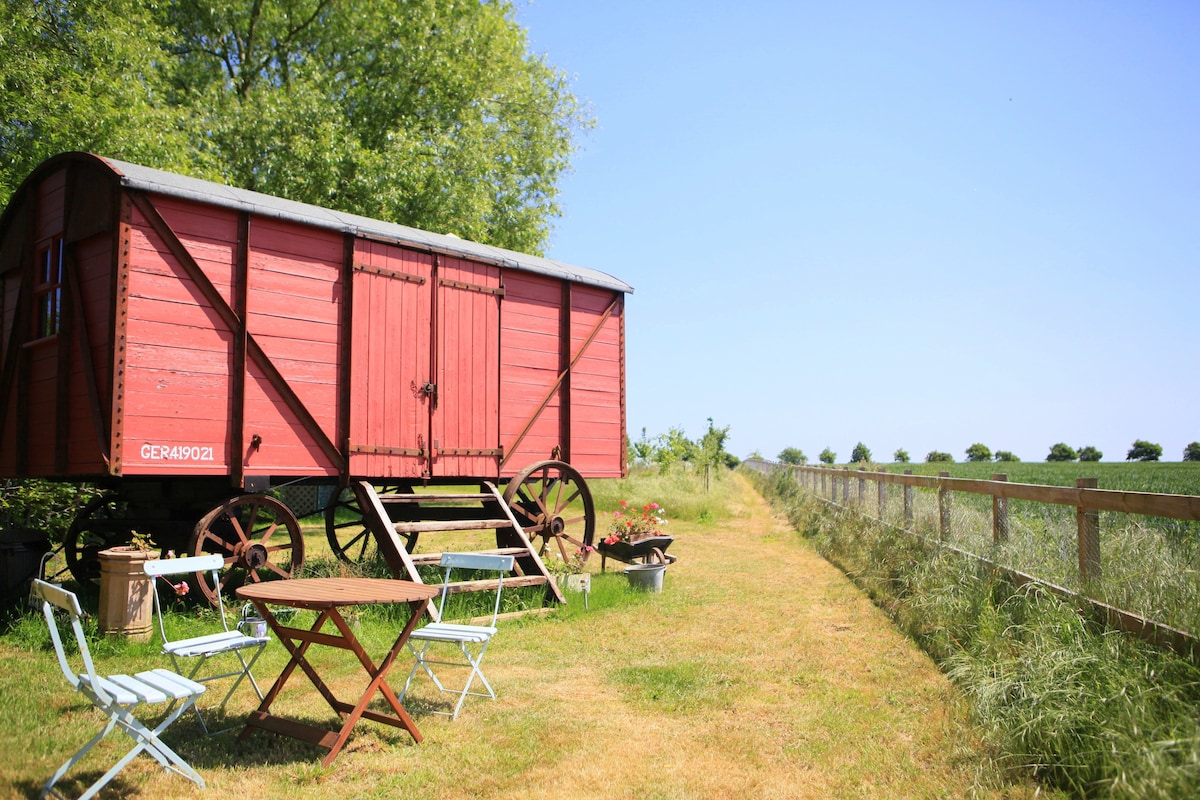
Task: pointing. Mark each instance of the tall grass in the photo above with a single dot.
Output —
(1093, 713)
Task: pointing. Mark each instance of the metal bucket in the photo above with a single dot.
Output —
(252, 624)
(646, 577)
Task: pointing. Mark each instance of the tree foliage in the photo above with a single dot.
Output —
(861, 454)
(1144, 451)
(431, 113)
(1062, 452)
(827, 456)
(674, 446)
(1192, 452)
(1090, 453)
(792, 455)
(936, 456)
(979, 452)
(1005, 455)
(901, 456)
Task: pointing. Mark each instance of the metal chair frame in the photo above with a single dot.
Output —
(467, 637)
(202, 648)
(117, 696)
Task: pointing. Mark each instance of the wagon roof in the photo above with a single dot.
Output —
(154, 180)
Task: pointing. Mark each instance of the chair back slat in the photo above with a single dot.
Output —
(176, 566)
(161, 567)
(53, 597)
(477, 561)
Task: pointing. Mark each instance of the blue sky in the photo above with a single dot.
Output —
(914, 225)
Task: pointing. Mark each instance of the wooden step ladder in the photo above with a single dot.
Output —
(528, 567)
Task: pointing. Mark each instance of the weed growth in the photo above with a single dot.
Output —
(1090, 712)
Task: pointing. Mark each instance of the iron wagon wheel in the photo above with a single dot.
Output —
(552, 502)
(257, 535)
(100, 524)
(349, 537)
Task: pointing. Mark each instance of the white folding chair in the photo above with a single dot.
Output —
(202, 648)
(471, 640)
(117, 696)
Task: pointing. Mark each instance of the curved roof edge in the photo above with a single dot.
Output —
(158, 181)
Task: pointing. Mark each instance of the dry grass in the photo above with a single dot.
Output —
(760, 672)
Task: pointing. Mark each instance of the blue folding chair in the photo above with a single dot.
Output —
(471, 640)
(202, 648)
(117, 696)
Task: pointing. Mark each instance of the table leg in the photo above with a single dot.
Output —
(378, 682)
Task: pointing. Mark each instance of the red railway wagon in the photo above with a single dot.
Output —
(224, 362)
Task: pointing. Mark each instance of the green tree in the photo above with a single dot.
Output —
(641, 451)
(430, 113)
(979, 452)
(901, 456)
(1192, 452)
(861, 454)
(792, 455)
(87, 75)
(673, 446)
(1004, 455)
(1062, 452)
(1144, 451)
(710, 448)
(1089, 453)
(935, 456)
(827, 456)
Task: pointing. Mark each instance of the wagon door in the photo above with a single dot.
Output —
(466, 415)
(391, 381)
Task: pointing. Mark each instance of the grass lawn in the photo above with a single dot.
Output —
(759, 672)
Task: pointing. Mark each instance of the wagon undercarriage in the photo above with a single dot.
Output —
(545, 511)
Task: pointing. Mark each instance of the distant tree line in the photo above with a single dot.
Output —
(675, 447)
(1141, 450)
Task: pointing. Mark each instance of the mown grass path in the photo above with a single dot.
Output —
(760, 672)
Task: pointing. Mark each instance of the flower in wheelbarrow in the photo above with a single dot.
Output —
(630, 523)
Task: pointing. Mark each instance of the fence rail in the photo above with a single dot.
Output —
(1085, 498)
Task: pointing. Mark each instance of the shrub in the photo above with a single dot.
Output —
(1062, 452)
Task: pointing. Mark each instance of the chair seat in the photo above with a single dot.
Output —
(116, 696)
(152, 686)
(449, 632)
(213, 643)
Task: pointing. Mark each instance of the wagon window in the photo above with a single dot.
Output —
(47, 290)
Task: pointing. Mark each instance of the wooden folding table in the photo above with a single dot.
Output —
(328, 596)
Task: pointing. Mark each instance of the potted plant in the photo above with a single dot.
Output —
(636, 535)
(570, 572)
(126, 594)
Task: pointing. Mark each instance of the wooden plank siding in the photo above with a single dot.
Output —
(530, 363)
(390, 360)
(466, 417)
(294, 301)
(597, 389)
(208, 331)
(176, 384)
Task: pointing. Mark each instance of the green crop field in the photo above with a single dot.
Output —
(1178, 477)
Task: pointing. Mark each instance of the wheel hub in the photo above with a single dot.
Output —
(251, 555)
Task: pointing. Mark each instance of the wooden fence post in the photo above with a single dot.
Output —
(908, 503)
(881, 492)
(846, 487)
(944, 507)
(1088, 524)
(999, 513)
(862, 487)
